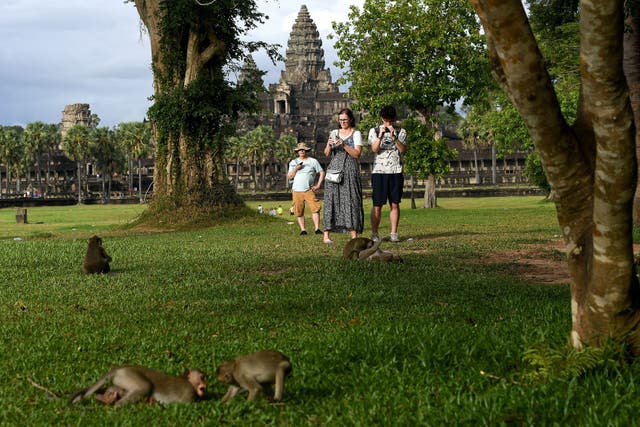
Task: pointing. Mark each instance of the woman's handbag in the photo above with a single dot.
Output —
(334, 176)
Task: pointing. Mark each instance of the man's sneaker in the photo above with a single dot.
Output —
(394, 237)
(375, 237)
(303, 233)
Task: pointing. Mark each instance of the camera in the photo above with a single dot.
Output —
(386, 130)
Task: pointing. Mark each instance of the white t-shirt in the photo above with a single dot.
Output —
(388, 159)
(305, 177)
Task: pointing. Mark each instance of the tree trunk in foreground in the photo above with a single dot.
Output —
(631, 66)
(590, 165)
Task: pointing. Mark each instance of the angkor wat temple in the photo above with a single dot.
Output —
(305, 103)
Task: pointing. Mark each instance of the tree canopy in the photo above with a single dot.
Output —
(194, 46)
(419, 54)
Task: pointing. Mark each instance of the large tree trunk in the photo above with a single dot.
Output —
(187, 172)
(631, 66)
(591, 166)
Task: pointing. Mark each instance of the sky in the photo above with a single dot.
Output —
(59, 52)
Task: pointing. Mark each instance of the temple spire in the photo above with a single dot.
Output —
(305, 56)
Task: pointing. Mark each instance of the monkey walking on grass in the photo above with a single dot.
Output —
(253, 372)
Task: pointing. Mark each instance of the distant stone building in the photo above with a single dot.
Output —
(75, 114)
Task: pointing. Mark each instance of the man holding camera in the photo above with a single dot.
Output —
(387, 179)
(303, 172)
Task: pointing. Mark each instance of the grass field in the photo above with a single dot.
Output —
(438, 340)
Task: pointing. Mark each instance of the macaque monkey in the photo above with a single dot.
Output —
(254, 371)
(364, 248)
(133, 383)
(96, 260)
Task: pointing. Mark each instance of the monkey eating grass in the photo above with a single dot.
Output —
(96, 259)
(133, 383)
(363, 248)
(253, 372)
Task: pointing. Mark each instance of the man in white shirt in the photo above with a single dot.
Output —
(307, 176)
(387, 178)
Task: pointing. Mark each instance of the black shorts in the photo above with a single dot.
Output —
(387, 186)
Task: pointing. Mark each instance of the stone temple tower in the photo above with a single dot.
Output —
(305, 102)
(75, 114)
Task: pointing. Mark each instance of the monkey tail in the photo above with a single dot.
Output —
(86, 392)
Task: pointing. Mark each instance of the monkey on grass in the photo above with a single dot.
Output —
(133, 383)
(361, 248)
(255, 372)
(96, 259)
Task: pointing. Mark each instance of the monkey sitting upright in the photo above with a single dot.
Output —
(254, 371)
(133, 383)
(96, 259)
(364, 248)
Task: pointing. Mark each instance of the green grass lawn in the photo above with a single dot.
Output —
(438, 340)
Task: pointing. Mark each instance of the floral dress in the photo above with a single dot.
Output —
(343, 209)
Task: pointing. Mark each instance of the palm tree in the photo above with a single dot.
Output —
(136, 140)
(35, 138)
(11, 151)
(107, 154)
(76, 147)
(260, 146)
(283, 151)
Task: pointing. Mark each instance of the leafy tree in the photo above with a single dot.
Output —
(195, 106)
(135, 138)
(259, 147)
(52, 142)
(420, 54)
(590, 164)
(234, 151)
(12, 152)
(107, 155)
(283, 151)
(555, 26)
(428, 154)
(36, 141)
(76, 146)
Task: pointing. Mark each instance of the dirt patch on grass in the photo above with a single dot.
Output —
(539, 263)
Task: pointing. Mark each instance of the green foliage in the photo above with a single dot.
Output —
(421, 54)
(105, 151)
(426, 155)
(76, 143)
(205, 109)
(12, 147)
(494, 119)
(552, 363)
(535, 173)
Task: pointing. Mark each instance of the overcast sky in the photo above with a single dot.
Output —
(59, 52)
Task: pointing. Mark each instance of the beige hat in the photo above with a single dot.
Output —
(302, 146)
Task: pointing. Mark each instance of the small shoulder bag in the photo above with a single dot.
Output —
(335, 175)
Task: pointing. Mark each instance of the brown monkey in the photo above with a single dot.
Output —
(96, 259)
(254, 371)
(364, 248)
(132, 383)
